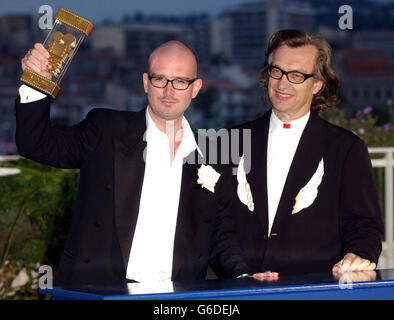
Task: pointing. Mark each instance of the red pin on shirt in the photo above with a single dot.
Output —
(286, 126)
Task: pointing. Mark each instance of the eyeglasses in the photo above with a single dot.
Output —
(177, 83)
(296, 77)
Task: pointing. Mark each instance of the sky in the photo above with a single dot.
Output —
(98, 10)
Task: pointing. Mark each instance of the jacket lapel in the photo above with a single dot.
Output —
(188, 211)
(129, 169)
(258, 176)
(305, 162)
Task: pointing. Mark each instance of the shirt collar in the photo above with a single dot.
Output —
(297, 125)
(188, 144)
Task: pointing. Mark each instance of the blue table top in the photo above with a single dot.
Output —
(356, 285)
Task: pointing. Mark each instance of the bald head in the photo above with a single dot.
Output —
(176, 50)
(172, 61)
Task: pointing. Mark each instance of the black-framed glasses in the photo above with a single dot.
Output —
(296, 77)
(177, 83)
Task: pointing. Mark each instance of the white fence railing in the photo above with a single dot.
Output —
(8, 171)
(387, 162)
(9, 158)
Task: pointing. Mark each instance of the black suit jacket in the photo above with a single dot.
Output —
(344, 217)
(108, 148)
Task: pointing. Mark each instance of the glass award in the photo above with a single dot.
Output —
(62, 43)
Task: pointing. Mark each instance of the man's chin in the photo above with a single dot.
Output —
(165, 113)
(170, 115)
(280, 108)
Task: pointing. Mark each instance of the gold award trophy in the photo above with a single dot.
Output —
(62, 42)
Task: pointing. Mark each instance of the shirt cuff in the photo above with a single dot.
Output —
(244, 275)
(29, 94)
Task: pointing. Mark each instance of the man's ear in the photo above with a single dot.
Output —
(145, 81)
(196, 87)
(317, 86)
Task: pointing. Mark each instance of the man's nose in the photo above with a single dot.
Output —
(283, 82)
(169, 89)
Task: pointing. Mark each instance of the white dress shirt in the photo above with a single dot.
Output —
(28, 94)
(151, 252)
(282, 145)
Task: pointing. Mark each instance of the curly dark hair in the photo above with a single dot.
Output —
(326, 97)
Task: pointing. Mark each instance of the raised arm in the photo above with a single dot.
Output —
(36, 138)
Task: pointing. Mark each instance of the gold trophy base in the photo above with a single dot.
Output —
(40, 82)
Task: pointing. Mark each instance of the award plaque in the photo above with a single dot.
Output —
(62, 42)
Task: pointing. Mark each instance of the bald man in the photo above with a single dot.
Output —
(140, 213)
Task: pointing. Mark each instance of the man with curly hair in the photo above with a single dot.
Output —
(309, 201)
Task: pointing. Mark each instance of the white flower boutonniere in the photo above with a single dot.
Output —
(207, 177)
(243, 189)
(308, 193)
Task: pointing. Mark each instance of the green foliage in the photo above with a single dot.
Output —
(35, 212)
(364, 124)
